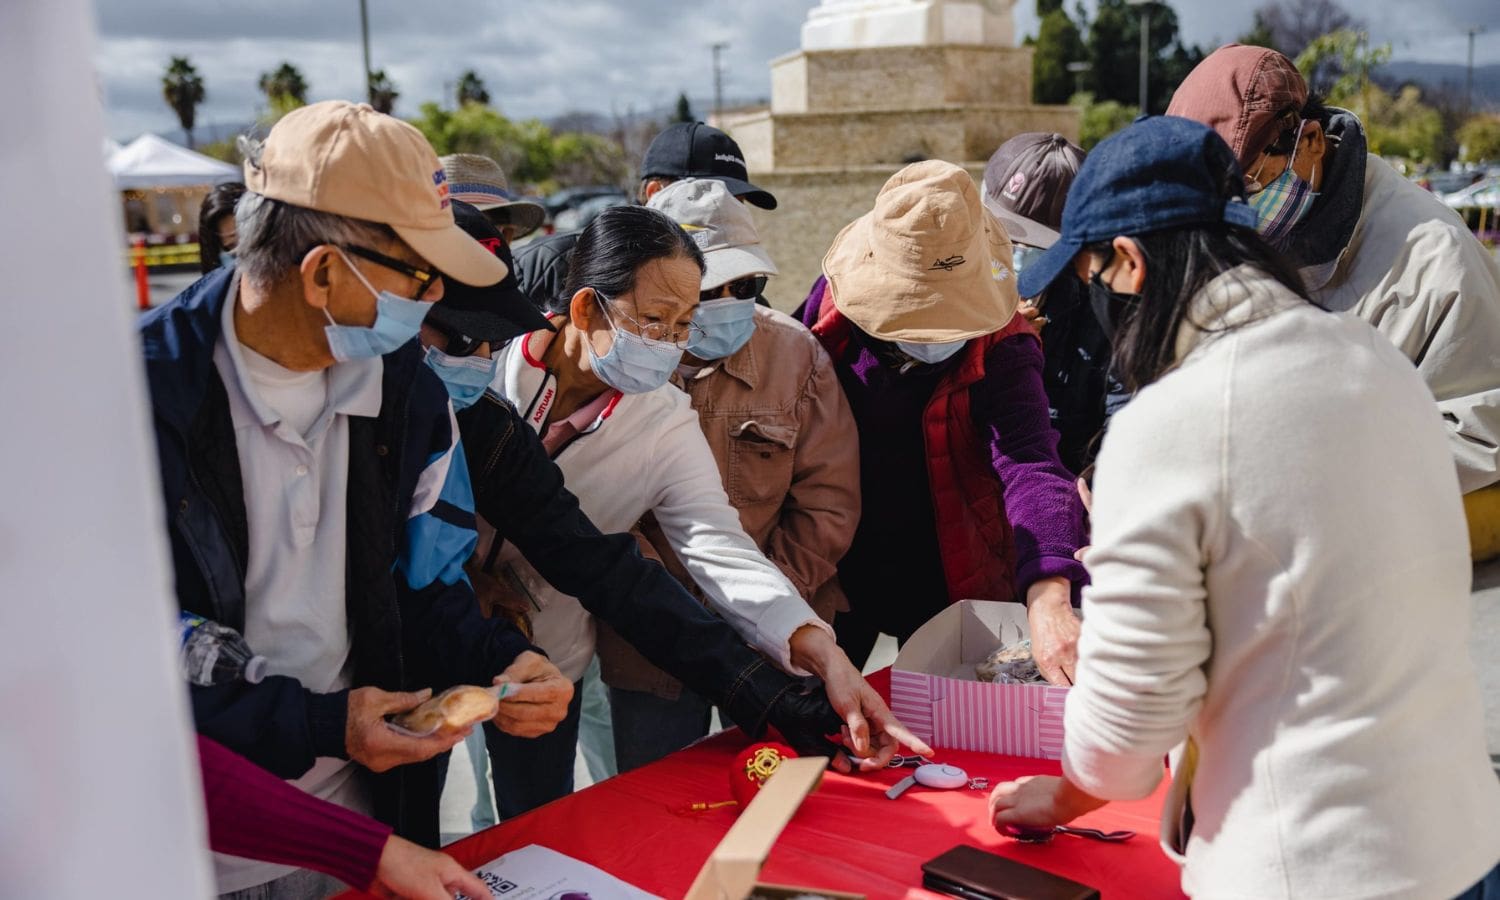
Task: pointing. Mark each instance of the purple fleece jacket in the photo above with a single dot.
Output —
(1009, 407)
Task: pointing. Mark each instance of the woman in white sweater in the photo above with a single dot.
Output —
(1280, 571)
(628, 443)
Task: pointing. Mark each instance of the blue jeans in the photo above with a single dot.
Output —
(529, 772)
(648, 727)
(1488, 887)
(596, 736)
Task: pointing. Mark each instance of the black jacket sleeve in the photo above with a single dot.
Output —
(452, 642)
(520, 491)
(277, 724)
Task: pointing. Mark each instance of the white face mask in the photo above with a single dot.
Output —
(931, 354)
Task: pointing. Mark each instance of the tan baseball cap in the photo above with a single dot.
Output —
(929, 264)
(347, 159)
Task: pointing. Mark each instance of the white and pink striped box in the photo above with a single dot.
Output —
(936, 694)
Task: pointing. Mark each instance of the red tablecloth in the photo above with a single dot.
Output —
(846, 836)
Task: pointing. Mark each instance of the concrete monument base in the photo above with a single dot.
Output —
(879, 84)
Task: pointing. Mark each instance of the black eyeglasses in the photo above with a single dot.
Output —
(740, 289)
(459, 342)
(425, 277)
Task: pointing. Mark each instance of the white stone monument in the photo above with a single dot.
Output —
(878, 84)
(858, 24)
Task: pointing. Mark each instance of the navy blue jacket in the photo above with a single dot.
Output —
(413, 619)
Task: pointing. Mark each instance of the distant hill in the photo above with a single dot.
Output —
(1446, 77)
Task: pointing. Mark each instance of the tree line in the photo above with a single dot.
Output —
(1093, 64)
(531, 153)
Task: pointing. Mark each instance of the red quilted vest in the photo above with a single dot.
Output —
(974, 533)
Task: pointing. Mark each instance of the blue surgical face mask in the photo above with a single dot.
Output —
(727, 324)
(226, 259)
(397, 320)
(931, 354)
(633, 365)
(466, 377)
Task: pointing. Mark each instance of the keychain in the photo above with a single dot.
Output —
(933, 775)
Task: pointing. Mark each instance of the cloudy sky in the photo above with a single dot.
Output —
(546, 57)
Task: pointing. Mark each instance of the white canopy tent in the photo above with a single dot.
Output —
(152, 162)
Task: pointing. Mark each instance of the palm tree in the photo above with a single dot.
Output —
(285, 88)
(383, 92)
(471, 89)
(182, 88)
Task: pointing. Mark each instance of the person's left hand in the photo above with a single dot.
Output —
(1038, 801)
(538, 697)
(415, 873)
(871, 732)
(1054, 629)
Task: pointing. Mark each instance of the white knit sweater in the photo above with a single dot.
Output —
(1281, 571)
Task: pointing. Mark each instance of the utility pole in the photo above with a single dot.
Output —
(1078, 69)
(1145, 7)
(1469, 75)
(364, 36)
(718, 48)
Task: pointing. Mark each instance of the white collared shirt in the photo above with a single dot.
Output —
(291, 431)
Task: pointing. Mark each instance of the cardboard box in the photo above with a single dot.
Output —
(936, 694)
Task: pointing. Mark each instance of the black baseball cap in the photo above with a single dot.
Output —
(1161, 172)
(1026, 184)
(496, 313)
(695, 150)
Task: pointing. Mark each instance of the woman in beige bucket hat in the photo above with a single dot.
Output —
(964, 494)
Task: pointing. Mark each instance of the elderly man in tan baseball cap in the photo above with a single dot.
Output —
(964, 495)
(314, 490)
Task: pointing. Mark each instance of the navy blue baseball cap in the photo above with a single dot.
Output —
(1160, 172)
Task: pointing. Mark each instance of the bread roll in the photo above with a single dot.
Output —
(457, 707)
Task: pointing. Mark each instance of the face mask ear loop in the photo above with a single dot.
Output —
(357, 273)
(1297, 145)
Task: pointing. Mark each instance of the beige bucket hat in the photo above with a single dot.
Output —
(929, 264)
(349, 160)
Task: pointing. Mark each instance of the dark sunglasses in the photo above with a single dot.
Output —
(424, 277)
(740, 289)
(459, 344)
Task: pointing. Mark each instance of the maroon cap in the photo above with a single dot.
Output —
(1248, 95)
(1026, 184)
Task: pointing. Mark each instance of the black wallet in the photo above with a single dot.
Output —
(973, 874)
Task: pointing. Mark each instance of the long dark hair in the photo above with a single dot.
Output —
(1180, 262)
(612, 249)
(219, 203)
